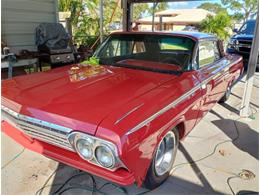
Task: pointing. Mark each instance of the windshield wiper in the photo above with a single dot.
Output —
(145, 68)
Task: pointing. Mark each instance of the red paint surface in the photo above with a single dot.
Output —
(95, 104)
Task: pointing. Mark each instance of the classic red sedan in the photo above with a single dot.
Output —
(122, 119)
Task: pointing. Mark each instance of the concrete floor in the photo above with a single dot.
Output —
(212, 175)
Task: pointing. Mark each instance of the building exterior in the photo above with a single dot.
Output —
(177, 19)
(20, 18)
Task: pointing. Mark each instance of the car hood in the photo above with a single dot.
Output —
(78, 98)
(243, 37)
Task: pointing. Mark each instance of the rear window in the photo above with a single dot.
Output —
(176, 44)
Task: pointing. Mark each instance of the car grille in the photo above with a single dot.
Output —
(248, 42)
(244, 49)
(244, 45)
(38, 129)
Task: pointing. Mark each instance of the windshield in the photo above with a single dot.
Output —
(248, 28)
(147, 52)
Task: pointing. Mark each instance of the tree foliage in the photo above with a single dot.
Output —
(144, 9)
(212, 7)
(218, 25)
(246, 7)
(140, 10)
(160, 7)
(85, 17)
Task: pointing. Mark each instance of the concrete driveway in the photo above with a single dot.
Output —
(208, 161)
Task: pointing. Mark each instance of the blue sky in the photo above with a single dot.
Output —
(194, 4)
(191, 4)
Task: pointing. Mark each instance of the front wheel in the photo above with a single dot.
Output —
(162, 161)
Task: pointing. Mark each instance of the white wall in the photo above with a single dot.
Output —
(20, 18)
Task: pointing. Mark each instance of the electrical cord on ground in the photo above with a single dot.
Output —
(228, 182)
(94, 188)
(251, 116)
(78, 175)
(123, 190)
(45, 183)
(210, 154)
(15, 157)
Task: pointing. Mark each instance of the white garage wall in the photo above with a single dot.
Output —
(20, 18)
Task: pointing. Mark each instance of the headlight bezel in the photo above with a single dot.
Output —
(76, 135)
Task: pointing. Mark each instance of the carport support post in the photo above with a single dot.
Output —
(101, 20)
(161, 23)
(244, 112)
(127, 10)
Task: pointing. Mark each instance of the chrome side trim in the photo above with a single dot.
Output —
(128, 113)
(178, 100)
(165, 109)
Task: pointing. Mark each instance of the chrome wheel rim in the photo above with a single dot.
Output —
(165, 154)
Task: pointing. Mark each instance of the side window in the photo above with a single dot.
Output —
(208, 53)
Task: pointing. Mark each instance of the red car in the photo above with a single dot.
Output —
(122, 119)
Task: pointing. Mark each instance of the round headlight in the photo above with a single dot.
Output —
(105, 156)
(84, 148)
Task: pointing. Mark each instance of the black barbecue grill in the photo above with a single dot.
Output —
(52, 41)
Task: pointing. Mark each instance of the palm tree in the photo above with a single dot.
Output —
(218, 25)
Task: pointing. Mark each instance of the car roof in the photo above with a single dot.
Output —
(190, 34)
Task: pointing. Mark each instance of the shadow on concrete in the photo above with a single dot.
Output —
(241, 99)
(80, 182)
(246, 192)
(230, 108)
(256, 86)
(247, 140)
(206, 188)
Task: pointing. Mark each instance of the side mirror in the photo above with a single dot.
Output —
(235, 30)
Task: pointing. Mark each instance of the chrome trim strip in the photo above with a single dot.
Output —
(128, 113)
(178, 100)
(36, 121)
(38, 129)
(165, 109)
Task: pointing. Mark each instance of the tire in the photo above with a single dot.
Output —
(156, 176)
(226, 95)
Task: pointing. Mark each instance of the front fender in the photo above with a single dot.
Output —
(141, 145)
